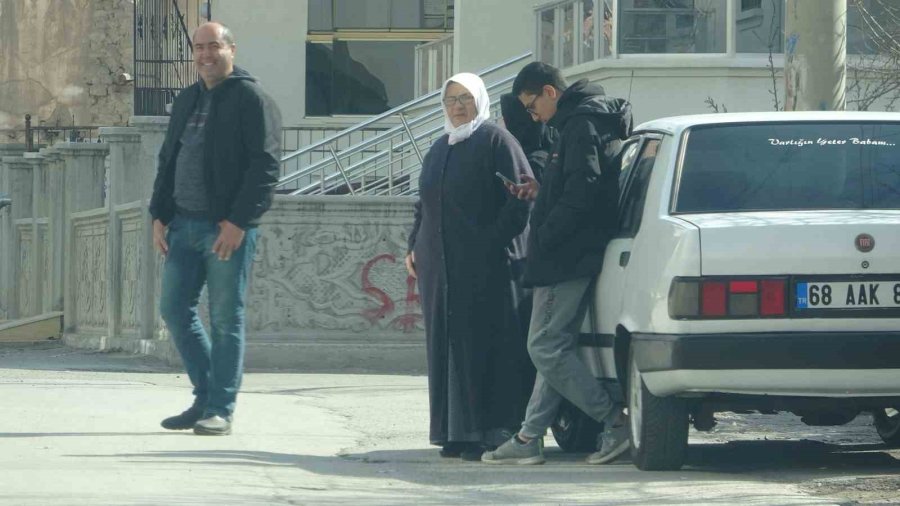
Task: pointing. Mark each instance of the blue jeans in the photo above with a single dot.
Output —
(213, 362)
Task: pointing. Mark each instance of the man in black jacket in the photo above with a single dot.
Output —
(573, 218)
(216, 177)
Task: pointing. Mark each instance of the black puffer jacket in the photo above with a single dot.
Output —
(574, 216)
(242, 151)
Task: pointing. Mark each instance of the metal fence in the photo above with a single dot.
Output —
(37, 136)
(163, 59)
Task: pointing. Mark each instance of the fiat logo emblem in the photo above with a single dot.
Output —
(865, 243)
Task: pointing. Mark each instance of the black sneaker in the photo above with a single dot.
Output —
(474, 451)
(184, 421)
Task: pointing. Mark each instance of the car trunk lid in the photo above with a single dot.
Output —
(798, 242)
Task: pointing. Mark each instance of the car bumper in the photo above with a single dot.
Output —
(832, 364)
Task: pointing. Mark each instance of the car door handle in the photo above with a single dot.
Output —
(624, 257)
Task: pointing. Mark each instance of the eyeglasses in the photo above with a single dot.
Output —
(464, 100)
(530, 107)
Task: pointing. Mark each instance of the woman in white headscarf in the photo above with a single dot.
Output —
(464, 221)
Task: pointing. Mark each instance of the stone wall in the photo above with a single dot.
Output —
(60, 61)
(328, 290)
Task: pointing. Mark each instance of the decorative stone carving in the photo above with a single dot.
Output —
(90, 273)
(131, 270)
(46, 267)
(333, 268)
(24, 270)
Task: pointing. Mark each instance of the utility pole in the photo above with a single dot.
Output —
(815, 55)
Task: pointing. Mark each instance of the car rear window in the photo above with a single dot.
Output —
(790, 166)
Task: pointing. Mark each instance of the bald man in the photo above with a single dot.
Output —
(216, 177)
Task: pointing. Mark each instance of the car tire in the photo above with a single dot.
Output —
(887, 423)
(659, 426)
(574, 431)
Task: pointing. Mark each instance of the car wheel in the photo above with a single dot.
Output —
(887, 423)
(659, 426)
(574, 431)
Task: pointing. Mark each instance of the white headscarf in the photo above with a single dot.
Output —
(476, 87)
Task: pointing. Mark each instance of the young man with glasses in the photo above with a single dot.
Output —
(574, 217)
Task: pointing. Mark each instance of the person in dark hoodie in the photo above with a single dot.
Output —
(535, 137)
(536, 140)
(218, 166)
(573, 218)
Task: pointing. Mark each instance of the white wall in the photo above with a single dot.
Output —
(271, 45)
(663, 86)
(490, 31)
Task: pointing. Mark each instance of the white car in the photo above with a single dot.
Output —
(757, 267)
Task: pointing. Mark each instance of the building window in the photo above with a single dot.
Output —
(672, 26)
(748, 5)
(356, 64)
(331, 15)
(760, 29)
(358, 76)
(574, 32)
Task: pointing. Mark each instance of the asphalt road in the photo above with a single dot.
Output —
(82, 428)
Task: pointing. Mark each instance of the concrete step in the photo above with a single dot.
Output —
(43, 327)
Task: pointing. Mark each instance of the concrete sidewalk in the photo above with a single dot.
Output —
(83, 428)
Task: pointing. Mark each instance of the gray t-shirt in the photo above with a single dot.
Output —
(190, 186)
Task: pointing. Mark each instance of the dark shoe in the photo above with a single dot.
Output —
(214, 425)
(474, 451)
(452, 450)
(184, 421)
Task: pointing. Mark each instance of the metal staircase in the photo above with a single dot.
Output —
(387, 163)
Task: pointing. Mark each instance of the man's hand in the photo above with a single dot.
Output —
(159, 237)
(411, 264)
(230, 238)
(526, 190)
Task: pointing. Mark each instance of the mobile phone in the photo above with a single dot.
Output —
(505, 179)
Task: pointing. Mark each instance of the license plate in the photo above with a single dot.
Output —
(848, 294)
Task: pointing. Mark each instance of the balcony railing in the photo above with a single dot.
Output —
(434, 64)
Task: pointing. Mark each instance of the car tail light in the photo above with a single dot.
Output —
(713, 302)
(723, 297)
(772, 303)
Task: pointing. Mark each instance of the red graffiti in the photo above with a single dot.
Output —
(412, 297)
(406, 322)
(387, 305)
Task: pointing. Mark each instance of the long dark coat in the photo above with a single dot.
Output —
(465, 218)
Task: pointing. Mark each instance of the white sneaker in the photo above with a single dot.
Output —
(516, 453)
(213, 426)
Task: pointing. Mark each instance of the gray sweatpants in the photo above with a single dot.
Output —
(552, 340)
